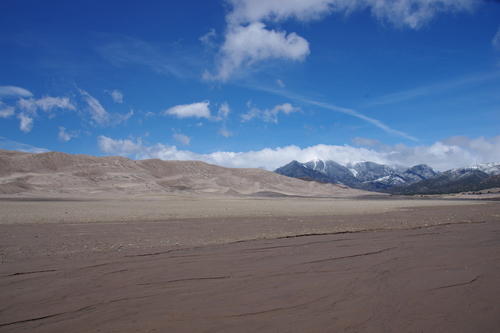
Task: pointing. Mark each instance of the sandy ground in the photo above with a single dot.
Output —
(190, 264)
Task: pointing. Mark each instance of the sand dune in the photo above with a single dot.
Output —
(55, 173)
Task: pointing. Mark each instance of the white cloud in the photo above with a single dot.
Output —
(280, 83)
(30, 106)
(66, 136)
(27, 105)
(224, 111)
(269, 115)
(13, 145)
(247, 41)
(120, 147)
(208, 38)
(182, 138)
(245, 11)
(496, 41)
(11, 91)
(358, 115)
(46, 103)
(198, 110)
(442, 155)
(224, 132)
(6, 111)
(117, 96)
(97, 112)
(26, 122)
(410, 13)
(122, 51)
(246, 45)
(414, 13)
(252, 113)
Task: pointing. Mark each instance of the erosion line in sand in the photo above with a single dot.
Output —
(353, 256)
(457, 285)
(33, 272)
(188, 279)
(45, 317)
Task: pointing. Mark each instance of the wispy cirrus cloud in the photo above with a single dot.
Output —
(268, 115)
(13, 145)
(11, 91)
(333, 107)
(435, 88)
(121, 50)
(98, 114)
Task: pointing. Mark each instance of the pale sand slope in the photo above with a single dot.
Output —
(57, 174)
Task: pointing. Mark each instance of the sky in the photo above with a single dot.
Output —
(254, 83)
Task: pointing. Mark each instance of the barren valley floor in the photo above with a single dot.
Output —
(223, 264)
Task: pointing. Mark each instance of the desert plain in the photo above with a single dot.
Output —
(113, 245)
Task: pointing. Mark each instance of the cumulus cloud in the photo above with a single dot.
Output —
(11, 91)
(197, 110)
(6, 111)
(66, 136)
(246, 45)
(269, 115)
(46, 103)
(442, 155)
(248, 41)
(116, 95)
(120, 147)
(183, 139)
(30, 106)
(26, 123)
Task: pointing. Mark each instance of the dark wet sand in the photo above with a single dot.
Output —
(111, 277)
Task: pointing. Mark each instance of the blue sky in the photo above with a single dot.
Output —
(254, 83)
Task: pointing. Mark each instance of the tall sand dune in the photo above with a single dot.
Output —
(56, 173)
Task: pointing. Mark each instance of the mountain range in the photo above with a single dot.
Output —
(419, 179)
